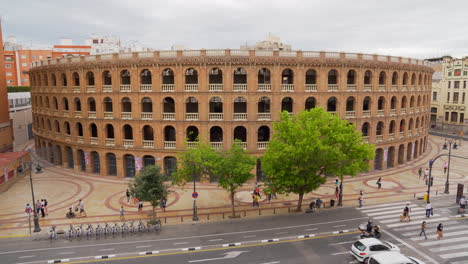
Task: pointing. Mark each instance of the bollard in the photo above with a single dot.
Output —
(245, 213)
(181, 218)
(274, 210)
(414, 195)
(259, 212)
(208, 216)
(223, 215)
(289, 209)
(437, 192)
(165, 220)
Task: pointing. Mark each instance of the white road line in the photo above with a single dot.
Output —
(311, 229)
(249, 236)
(381, 205)
(398, 215)
(444, 241)
(65, 253)
(418, 222)
(27, 256)
(339, 225)
(397, 219)
(188, 237)
(219, 239)
(279, 233)
(429, 226)
(395, 211)
(106, 249)
(447, 248)
(274, 262)
(449, 234)
(180, 243)
(340, 243)
(383, 209)
(340, 253)
(454, 255)
(146, 246)
(445, 227)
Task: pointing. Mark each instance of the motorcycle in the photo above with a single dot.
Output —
(375, 232)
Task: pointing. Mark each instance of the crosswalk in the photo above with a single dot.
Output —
(452, 248)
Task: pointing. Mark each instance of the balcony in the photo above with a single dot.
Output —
(379, 138)
(146, 87)
(108, 115)
(351, 87)
(65, 113)
(78, 114)
(126, 115)
(393, 112)
(240, 116)
(333, 113)
(107, 88)
(366, 113)
(64, 89)
(216, 116)
(350, 114)
(216, 145)
(191, 116)
(147, 116)
(366, 139)
(67, 138)
(168, 116)
(333, 87)
(412, 88)
(125, 88)
(264, 87)
(402, 134)
(93, 140)
(54, 89)
(311, 87)
(55, 112)
(404, 88)
(168, 87)
(76, 89)
(128, 143)
(380, 112)
(192, 144)
(391, 136)
(91, 88)
(148, 143)
(92, 114)
(216, 87)
(367, 87)
(243, 144)
(191, 87)
(287, 87)
(417, 109)
(403, 111)
(262, 145)
(80, 139)
(110, 142)
(411, 110)
(169, 144)
(382, 88)
(394, 88)
(264, 116)
(240, 87)
(410, 133)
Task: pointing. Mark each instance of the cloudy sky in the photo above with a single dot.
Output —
(413, 28)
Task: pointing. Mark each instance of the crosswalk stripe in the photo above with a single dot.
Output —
(396, 211)
(397, 219)
(447, 248)
(419, 222)
(427, 228)
(398, 215)
(381, 205)
(460, 262)
(449, 234)
(444, 241)
(454, 255)
(387, 208)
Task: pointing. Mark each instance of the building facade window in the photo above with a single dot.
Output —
(23, 56)
(456, 84)
(464, 84)
(449, 83)
(434, 96)
(455, 98)
(7, 66)
(463, 98)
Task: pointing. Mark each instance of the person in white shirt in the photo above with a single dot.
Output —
(428, 210)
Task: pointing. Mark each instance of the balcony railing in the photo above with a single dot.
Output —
(242, 144)
(55, 112)
(412, 88)
(417, 109)
(240, 87)
(126, 115)
(65, 113)
(169, 144)
(76, 89)
(380, 112)
(411, 110)
(167, 87)
(333, 87)
(107, 88)
(394, 88)
(78, 114)
(410, 133)
(110, 142)
(391, 136)
(264, 87)
(79, 139)
(402, 134)
(125, 88)
(351, 87)
(54, 89)
(64, 89)
(191, 87)
(91, 88)
(366, 113)
(392, 112)
(191, 116)
(350, 114)
(92, 114)
(168, 116)
(148, 143)
(146, 87)
(240, 116)
(382, 88)
(367, 87)
(404, 88)
(264, 116)
(93, 140)
(67, 138)
(146, 115)
(287, 87)
(216, 87)
(262, 145)
(216, 116)
(217, 145)
(379, 138)
(108, 115)
(192, 144)
(403, 111)
(366, 139)
(311, 87)
(128, 142)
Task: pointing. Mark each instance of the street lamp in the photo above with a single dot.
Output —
(195, 215)
(450, 142)
(340, 194)
(37, 228)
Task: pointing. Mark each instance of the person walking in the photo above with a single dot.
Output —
(318, 203)
(163, 205)
(121, 212)
(42, 208)
(337, 192)
(379, 182)
(423, 229)
(360, 199)
(46, 207)
(406, 212)
(140, 205)
(127, 193)
(420, 172)
(428, 210)
(38, 207)
(426, 173)
(440, 230)
(81, 208)
(445, 167)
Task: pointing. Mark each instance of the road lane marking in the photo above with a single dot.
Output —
(249, 236)
(65, 253)
(274, 262)
(180, 243)
(279, 233)
(143, 246)
(107, 249)
(212, 240)
(339, 225)
(311, 229)
(341, 243)
(27, 256)
(410, 247)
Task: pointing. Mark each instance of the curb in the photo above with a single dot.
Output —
(58, 261)
(104, 257)
(148, 253)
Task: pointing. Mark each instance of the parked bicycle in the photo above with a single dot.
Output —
(79, 231)
(89, 230)
(141, 226)
(99, 230)
(71, 232)
(124, 228)
(107, 229)
(115, 229)
(52, 233)
(132, 227)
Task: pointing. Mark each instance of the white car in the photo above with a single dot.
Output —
(392, 258)
(364, 248)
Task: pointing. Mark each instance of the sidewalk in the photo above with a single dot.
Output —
(103, 196)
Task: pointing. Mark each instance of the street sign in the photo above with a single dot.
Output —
(194, 195)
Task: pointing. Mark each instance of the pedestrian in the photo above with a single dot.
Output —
(42, 208)
(253, 199)
(273, 193)
(163, 205)
(440, 230)
(360, 200)
(38, 207)
(257, 191)
(81, 207)
(426, 173)
(28, 210)
(46, 207)
(140, 205)
(122, 212)
(337, 191)
(445, 167)
(318, 203)
(337, 182)
(135, 200)
(406, 212)
(420, 172)
(428, 210)
(423, 229)
(379, 182)
(127, 193)
(256, 200)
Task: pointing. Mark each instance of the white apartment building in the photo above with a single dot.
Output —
(20, 113)
(101, 44)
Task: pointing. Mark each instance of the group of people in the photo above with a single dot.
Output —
(138, 203)
(256, 196)
(41, 208)
(79, 208)
(439, 230)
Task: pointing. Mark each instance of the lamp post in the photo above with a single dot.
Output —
(340, 194)
(37, 228)
(195, 214)
(450, 142)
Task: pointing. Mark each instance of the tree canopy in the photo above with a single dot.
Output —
(308, 147)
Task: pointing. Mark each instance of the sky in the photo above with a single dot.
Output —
(409, 28)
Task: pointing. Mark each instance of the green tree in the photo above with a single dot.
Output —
(149, 186)
(310, 146)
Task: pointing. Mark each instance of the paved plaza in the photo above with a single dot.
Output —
(103, 196)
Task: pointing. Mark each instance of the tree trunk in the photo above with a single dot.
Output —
(154, 212)
(232, 205)
(299, 203)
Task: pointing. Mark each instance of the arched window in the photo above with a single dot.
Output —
(351, 77)
(145, 77)
(146, 105)
(240, 76)
(391, 128)
(77, 104)
(191, 105)
(111, 164)
(216, 105)
(76, 79)
(417, 123)
(49, 125)
(57, 126)
(240, 133)
(333, 77)
(368, 78)
(420, 79)
(46, 81)
(192, 133)
(148, 160)
(168, 76)
(170, 165)
(380, 128)
(79, 129)
(169, 133)
(395, 78)
(263, 134)
(310, 103)
(95, 162)
(81, 159)
(411, 124)
(125, 77)
(53, 80)
(129, 164)
(64, 79)
(93, 129)
(366, 104)
(126, 105)
(216, 76)
(106, 78)
(403, 102)
(240, 105)
(287, 104)
(402, 125)
(127, 132)
(287, 76)
(382, 78)
(109, 131)
(168, 105)
(381, 103)
(365, 129)
(67, 128)
(191, 76)
(350, 104)
(264, 105)
(55, 102)
(108, 105)
(405, 78)
(413, 79)
(148, 133)
(332, 104)
(393, 102)
(90, 78)
(412, 101)
(91, 105)
(47, 104)
(311, 77)
(419, 101)
(264, 76)
(216, 134)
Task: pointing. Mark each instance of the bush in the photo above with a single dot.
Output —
(18, 89)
